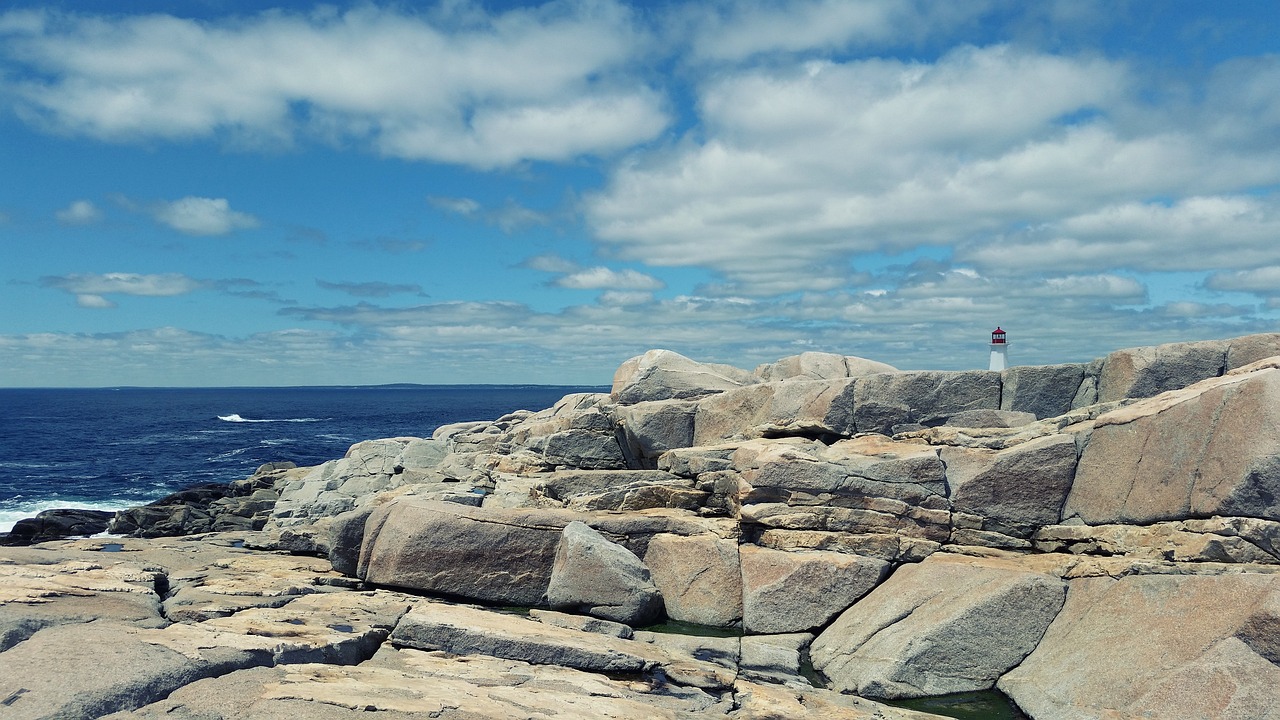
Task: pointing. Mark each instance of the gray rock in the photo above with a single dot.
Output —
(819, 366)
(948, 624)
(1043, 390)
(1017, 490)
(582, 623)
(1209, 449)
(1157, 646)
(991, 419)
(462, 630)
(652, 428)
(666, 375)
(804, 408)
(346, 536)
(597, 577)
(493, 555)
(1249, 349)
(699, 576)
(786, 592)
(1147, 371)
(884, 400)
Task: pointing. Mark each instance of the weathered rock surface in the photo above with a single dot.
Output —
(886, 400)
(597, 577)
(787, 592)
(666, 375)
(1160, 646)
(820, 366)
(806, 408)
(1209, 449)
(1043, 390)
(949, 624)
(1015, 491)
(700, 577)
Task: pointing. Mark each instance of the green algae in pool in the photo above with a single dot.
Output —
(983, 705)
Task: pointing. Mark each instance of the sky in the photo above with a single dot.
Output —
(217, 193)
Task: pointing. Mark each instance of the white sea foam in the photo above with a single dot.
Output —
(235, 418)
(10, 514)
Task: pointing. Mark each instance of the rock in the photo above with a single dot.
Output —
(582, 624)
(700, 578)
(1043, 390)
(337, 486)
(57, 524)
(652, 428)
(884, 400)
(819, 366)
(803, 408)
(764, 701)
(948, 624)
(666, 375)
(1209, 449)
(1227, 540)
(774, 658)
(1250, 349)
(991, 418)
(1147, 371)
(465, 631)
(785, 592)
(600, 578)
(1017, 490)
(346, 536)
(1206, 650)
(494, 555)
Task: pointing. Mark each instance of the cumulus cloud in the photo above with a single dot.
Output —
(202, 216)
(456, 85)
(603, 278)
(90, 289)
(79, 212)
(1262, 281)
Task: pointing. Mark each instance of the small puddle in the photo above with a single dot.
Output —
(111, 547)
(982, 705)
(342, 628)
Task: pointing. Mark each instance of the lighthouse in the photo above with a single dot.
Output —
(999, 350)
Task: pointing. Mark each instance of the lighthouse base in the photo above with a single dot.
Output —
(999, 358)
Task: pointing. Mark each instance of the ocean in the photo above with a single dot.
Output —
(113, 448)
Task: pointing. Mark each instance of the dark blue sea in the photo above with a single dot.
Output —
(120, 447)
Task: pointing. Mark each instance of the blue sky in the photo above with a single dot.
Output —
(197, 193)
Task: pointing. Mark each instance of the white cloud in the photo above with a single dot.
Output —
(89, 289)
(455, 205)
(1262, 281)
(79, 212)
(202, 216)
(93, 301)
(603, 278)
(547, 83)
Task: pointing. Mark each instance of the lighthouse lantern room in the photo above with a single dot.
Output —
(999, 349)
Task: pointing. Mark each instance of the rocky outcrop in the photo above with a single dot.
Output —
(594, 576)
(666, 375)
(913, 533)
(946, 625)
(1209, 449)
(820, 366)
(57, 524)
(1164, 646)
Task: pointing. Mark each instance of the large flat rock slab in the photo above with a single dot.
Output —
(1157, 646)
(463, 630)
(1209, 449)
(948, 624)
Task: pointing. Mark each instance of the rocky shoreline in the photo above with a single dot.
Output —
(1097, 540)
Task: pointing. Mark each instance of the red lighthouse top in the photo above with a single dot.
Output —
(997, 337)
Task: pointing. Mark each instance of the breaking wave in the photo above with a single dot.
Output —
(235, 418)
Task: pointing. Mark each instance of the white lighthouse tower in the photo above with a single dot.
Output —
(999, 350)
